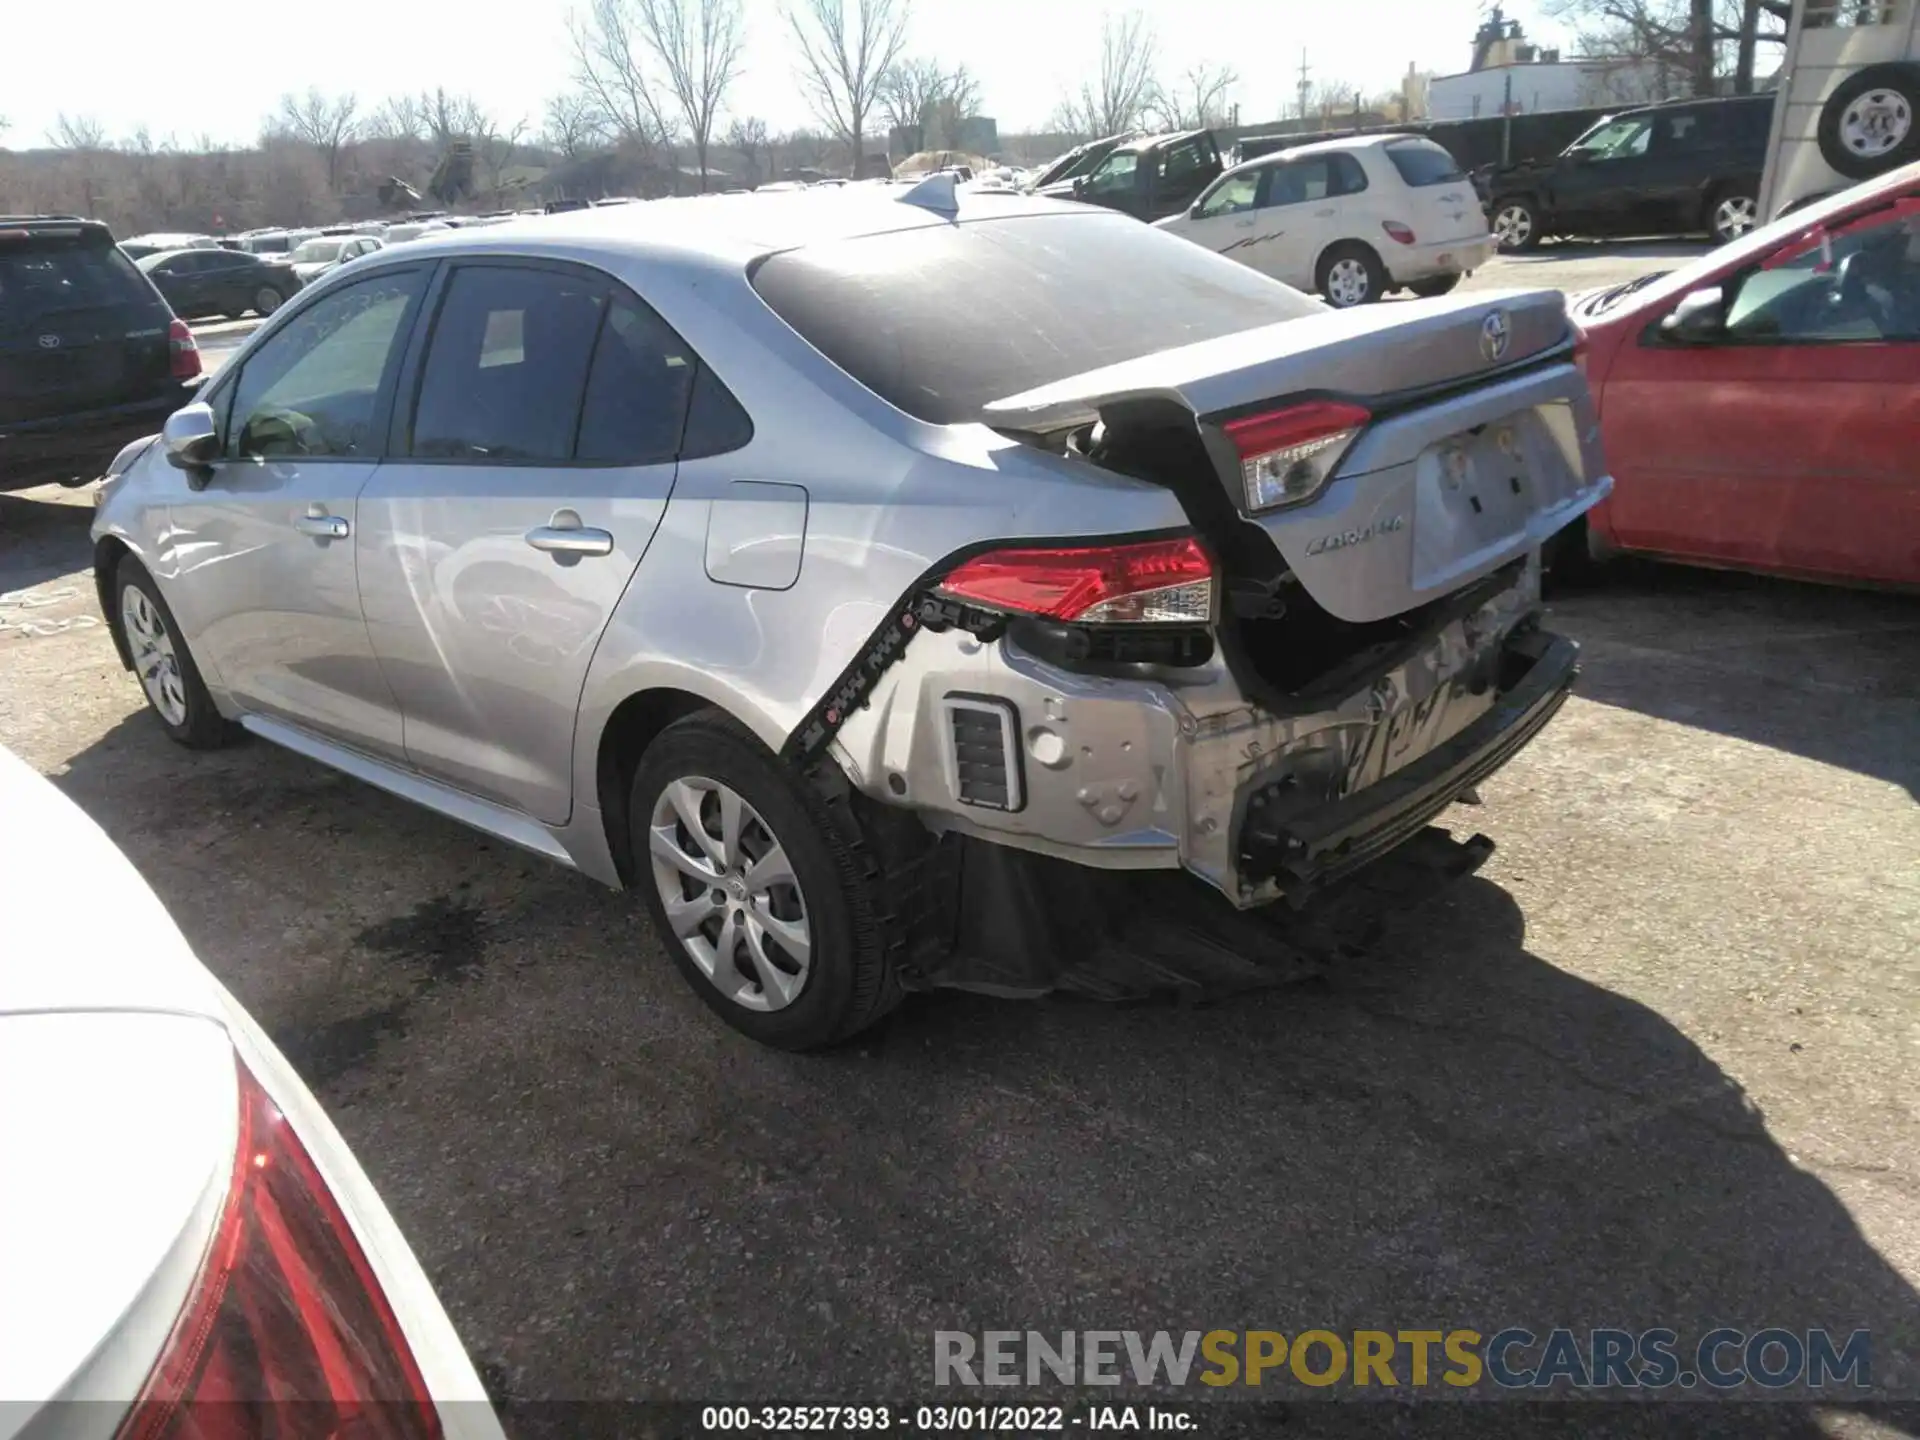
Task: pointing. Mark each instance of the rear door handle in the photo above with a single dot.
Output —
(565, 535)
(323, 527)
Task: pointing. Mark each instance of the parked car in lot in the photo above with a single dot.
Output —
(90, 355)
(141, 246)
(198, 283)
(1687, 168)
(187, 1235)
(972, 524)
(1077, 161)
(1351, 219)
(1761, 407)
(324, 254)
(1149, 177)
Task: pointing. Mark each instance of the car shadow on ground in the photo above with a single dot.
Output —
(41, 538)
(618, 1197)
(1818, 671)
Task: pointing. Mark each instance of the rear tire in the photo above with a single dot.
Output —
(1436, 286)
(1516, 224)
(164, 666)
(1350, 275)
(266, 300)
(799, 963)
(1732, 211)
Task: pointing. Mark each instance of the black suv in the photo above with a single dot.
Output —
(1149, 178)
(90, 356)
(1685, 168)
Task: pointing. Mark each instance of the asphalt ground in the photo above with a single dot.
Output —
(1653, 1066)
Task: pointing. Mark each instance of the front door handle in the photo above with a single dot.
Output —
(564, 534)
(323, 527)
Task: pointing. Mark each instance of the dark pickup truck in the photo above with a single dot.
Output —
(1688, 168)
(1149, 178)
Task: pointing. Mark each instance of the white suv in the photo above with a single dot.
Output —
(1351, 219)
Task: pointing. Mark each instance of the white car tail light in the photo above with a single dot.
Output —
(1402, 233)
(285, 1309)
(1287, 456)
(1153, 582)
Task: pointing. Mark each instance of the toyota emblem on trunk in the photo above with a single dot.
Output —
(49, 342)
(1496, 333)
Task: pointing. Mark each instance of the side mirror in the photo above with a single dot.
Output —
(192, 441)
(1700, 316)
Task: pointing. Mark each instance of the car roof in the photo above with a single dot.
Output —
(1152, 142)
(736, 230)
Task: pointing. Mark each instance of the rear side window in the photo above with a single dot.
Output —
(507, 366)
(1423, 163)
(1344, 175)
(637, 392)
(51, 276)
(938, 321)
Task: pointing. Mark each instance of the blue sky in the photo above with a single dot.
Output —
(512, 54)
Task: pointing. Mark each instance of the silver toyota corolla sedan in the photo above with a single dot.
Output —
(766, 552)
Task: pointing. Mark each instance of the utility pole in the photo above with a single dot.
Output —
(1306, 86)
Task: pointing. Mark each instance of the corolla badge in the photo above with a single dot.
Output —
(1496, 334)
(1347, 539)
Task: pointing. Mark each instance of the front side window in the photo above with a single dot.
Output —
(1860, 285)
(1114, 175)
(1237, 192)
(507, 366)
(313, 388)
(1614, 140)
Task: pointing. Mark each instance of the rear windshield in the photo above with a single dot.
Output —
(941, 320)
(1424, 163)
(41, 277)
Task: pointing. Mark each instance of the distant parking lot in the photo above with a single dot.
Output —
(1652, 1066)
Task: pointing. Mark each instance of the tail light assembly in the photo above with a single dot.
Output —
(1287, 456)
(1398, 232)
(1156, 582)
(286, 1331)
(183, 351)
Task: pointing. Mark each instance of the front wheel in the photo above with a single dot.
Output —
(1350, 274)
(175, 692)
(760, 888)
(1516, 225)
(1435, 286)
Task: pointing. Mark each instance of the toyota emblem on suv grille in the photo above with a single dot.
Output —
(1496, 333)
(49, 342)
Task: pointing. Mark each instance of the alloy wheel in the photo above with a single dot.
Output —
(730, 893)
(1877, 123)
(1734, 217)
(1513, 226)
(266, 300)
(154, 658)
(1348, 283)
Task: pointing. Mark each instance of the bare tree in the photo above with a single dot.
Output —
(749, 139)
(400, 117)
(1695, 39)
(1119, 97)
(328, 125)
(1199, 100)
(846, 48)
(573, 124)
(494, 145)
(608, 66)
(698, 44)
(919, 92)
(77, 132)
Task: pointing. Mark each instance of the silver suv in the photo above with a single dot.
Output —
(756, 551)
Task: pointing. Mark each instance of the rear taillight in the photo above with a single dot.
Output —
(1287, 456)
(1396, 231)
(1155, 582)
(185, 350)
(285, 1309)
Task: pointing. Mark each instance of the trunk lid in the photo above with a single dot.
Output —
(1447, 212)
(1482, 441)
(80, 328)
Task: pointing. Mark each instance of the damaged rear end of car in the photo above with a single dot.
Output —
(1345, 641)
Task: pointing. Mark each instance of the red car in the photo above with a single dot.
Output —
(1761, 407)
